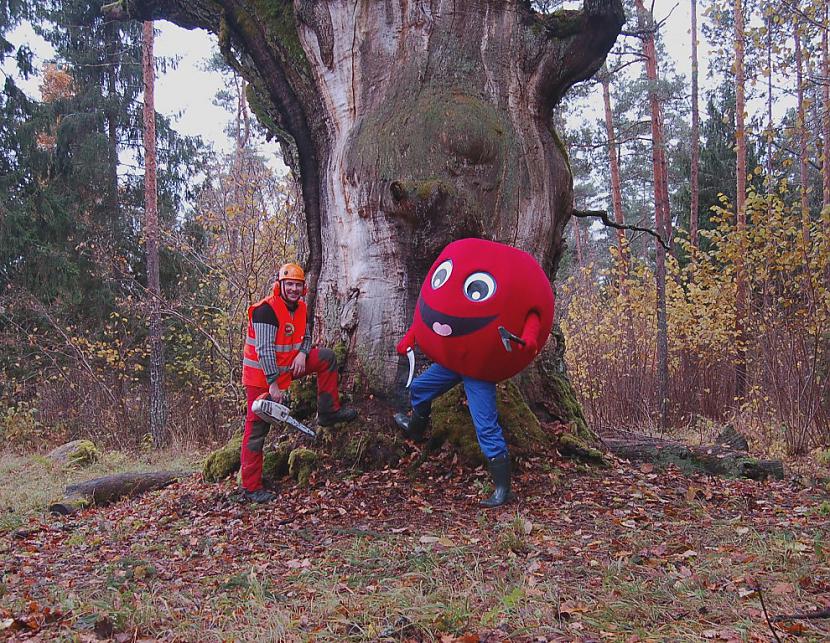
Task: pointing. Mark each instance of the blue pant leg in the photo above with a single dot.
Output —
(481, 398)
(434, 381)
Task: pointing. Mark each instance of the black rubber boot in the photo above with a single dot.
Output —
(500, 472)
(258, 496)
(414, 426)
(344, 414)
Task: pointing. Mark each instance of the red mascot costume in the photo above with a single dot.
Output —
(484, 312)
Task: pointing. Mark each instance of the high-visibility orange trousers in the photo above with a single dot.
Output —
(321, 361)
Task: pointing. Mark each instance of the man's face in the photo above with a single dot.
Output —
(292, 289)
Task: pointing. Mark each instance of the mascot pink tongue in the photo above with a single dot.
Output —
(479, 303)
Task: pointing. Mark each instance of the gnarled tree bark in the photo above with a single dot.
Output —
(410, 123)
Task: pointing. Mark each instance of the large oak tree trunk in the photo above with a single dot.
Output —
(410, 123)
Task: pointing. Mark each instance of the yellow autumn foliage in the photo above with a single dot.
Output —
(610, 325)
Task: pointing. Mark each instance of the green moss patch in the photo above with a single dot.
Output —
(275, 462)
(223, 462)
(301, 464)
(76, 454)
(451, 422)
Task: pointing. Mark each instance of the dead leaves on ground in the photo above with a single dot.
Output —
(699, 547)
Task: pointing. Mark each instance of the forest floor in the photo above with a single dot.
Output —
(627, 553)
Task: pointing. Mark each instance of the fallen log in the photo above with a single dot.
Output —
(103, 491)
(715, 459)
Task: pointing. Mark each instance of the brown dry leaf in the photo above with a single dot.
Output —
(572, 607)
(647, 468)
(782, 588)
(793, 628)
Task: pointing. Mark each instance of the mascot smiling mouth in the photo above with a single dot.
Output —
(450, 325)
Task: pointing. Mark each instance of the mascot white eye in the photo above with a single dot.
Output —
(479, 286)
(441, 274)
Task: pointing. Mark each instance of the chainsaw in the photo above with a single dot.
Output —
(274, 413)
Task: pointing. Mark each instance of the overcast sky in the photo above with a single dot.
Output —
(190, 90)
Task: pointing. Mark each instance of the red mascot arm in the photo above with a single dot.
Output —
(530, 333)
(408, 341)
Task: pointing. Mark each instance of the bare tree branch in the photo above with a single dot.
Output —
(603, 215)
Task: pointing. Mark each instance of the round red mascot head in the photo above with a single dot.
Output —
(473, 288)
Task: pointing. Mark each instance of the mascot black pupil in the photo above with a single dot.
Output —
(439, 278)
(478, 290)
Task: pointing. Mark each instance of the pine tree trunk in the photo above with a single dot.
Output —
(158, 402)
(825, 72)
(801, 125)
(111, 43)
(616, 190)
(409, 125)
(770, 127)
(661, 210)
(742, 305)
(580, 256)
(695, 134)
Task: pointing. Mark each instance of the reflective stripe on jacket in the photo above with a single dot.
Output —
(287, 343)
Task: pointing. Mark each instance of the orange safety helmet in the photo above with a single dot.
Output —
(289, 271)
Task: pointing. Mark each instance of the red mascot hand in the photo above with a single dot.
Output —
(530, 346)
(530, 333)
(408, 341)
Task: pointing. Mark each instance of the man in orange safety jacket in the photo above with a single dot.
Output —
(278, 349)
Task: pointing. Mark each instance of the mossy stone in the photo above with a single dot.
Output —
(301, 464)
(223, 462)
(76, 454)
(275, 463)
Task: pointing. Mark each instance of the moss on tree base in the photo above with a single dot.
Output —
(275, 462)
(574, 446)
(451, 422)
